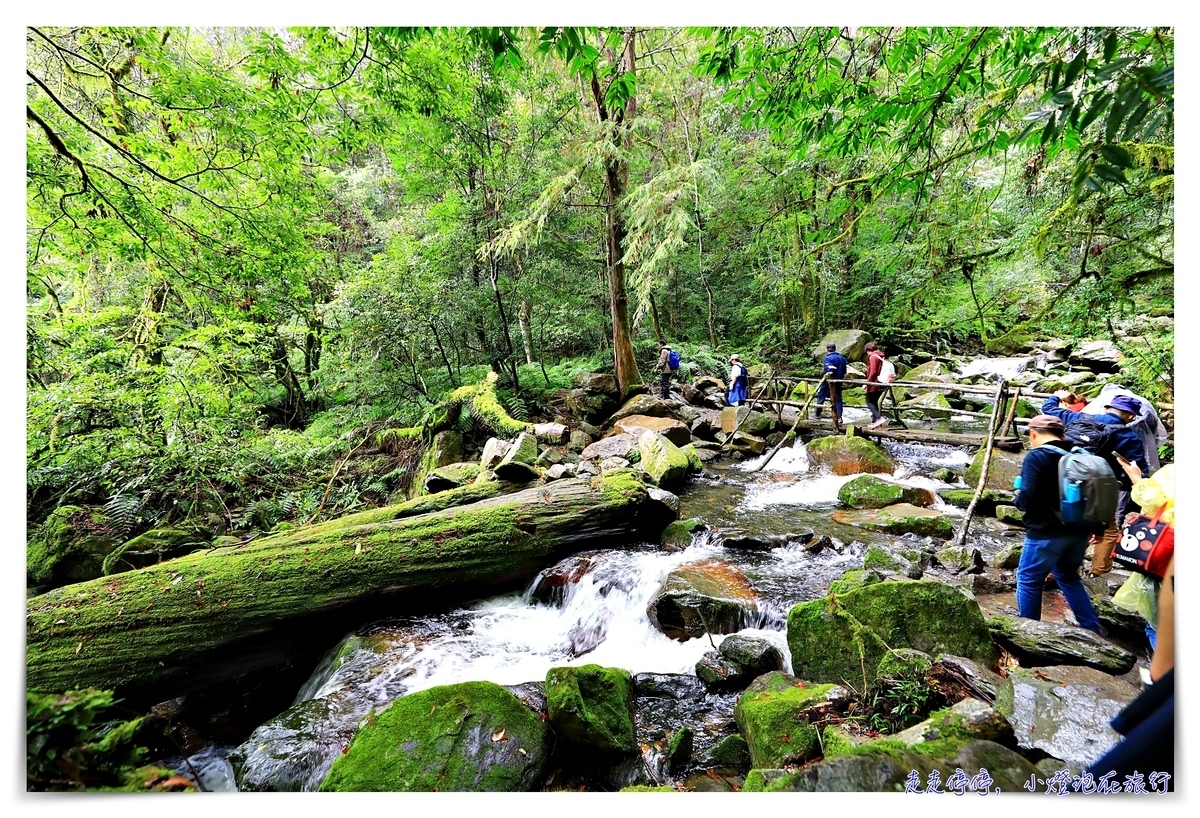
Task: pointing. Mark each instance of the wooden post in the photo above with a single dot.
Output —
(961, 536)
(791, 433)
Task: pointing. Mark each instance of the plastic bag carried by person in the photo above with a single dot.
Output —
(1139, 594)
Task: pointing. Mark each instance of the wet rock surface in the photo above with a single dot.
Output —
(1064, 711)
(1038, 643)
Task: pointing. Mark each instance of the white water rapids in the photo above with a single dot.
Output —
(601, 617)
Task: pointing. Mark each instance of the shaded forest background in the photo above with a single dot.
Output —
(252, 253)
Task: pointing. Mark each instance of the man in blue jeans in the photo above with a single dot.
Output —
(1050, 547)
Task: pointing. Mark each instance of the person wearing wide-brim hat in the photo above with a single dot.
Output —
(739, 382)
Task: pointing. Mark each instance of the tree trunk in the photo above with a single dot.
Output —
(658, 332)
(525, 319)
(616, 180)
(199, 619)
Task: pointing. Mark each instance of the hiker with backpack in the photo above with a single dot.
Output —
(739, 382)
(834, 368)
(880, 373)
(1107, 436)
(1053, 545)
(668, 363)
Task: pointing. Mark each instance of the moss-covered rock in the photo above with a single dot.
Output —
(68, 547)
(679, 748)
(589, 407)
(844, 637)
(869, 491)
(1004, 468)
(745, 419)
(695, 464)
(931, 371)
(153, 547)
(738, 661)
(1011, 515)
(929, 404)
(643, 405)
(854, 579)
(1057, 643)
(962, 559)
(730, 753)
(450, 477)
(880, 559)
(664, 463)
(473, 736)
(710, 596)
(886, 766)
(1008, 557)
(591, 708)
(901, 518)
(850, 455)
(850, 342)
(988, 500)
(770, 715)
(678, 535)
(518, 463)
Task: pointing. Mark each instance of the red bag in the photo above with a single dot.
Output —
(1146, 545)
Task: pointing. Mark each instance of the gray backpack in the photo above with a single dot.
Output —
(1087, 490)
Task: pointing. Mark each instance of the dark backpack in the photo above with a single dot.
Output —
(1092, 434)
(673, 360)
(1087, 491)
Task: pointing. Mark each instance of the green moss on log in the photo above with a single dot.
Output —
(142, 626)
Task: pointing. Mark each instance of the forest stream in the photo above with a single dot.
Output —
(600, 617)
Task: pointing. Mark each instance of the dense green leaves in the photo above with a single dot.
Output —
(249, 250)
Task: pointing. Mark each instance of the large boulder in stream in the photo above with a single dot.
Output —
(293, 751)
(842, 638)
(930, 404)
(774, 715)
(900, 518)
(703, 597)
(670, 428)
(1003, 469)
(738, 661)
(850, 342)
(209, 616)
(468, 737)
(869, 491)
(1037, 643)
(663, 462)
(745, 419)
(843, 454)
(591, 709)
(1064, 710)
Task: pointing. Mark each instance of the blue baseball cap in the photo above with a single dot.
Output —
(1125, 403)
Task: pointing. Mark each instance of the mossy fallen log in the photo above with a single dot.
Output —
(198, 619)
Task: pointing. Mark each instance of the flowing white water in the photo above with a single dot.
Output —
(511, 640)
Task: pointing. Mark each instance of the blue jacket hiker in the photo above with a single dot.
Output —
(1050, 547)
(835, 368)
(739, 382)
